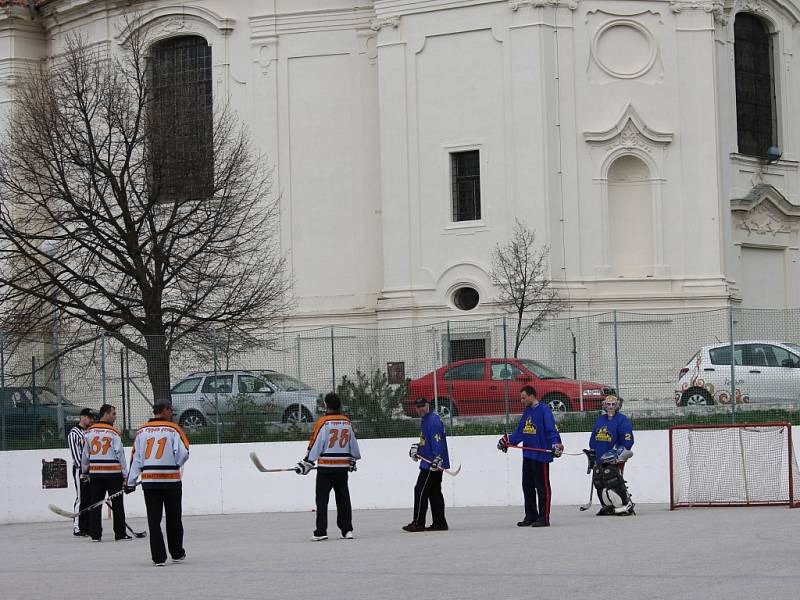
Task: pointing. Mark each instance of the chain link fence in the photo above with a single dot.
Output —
(669, 369)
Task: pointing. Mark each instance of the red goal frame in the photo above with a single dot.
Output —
(791, 503)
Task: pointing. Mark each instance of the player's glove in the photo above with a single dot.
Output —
(558, 450)
(436, 464)
(502, 445)
(129, 489)
(591, 456)
(84, 478)
(413, 451)
(304, 467)
(352, 466)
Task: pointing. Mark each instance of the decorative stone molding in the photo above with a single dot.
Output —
(765, 211)
(628, 133)
(638, 61)
(713, 7)
(169, 21)
(381, 22)
(515, 5)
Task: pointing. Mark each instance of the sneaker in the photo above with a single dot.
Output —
(96, 540)
(605, 511)
(161, 564)
(348, 535)
(437, 528)
(318, 538)
(540, 524)
(80, 534)
(123, 538)
(525, 523)
(413, 527)
(181, 558)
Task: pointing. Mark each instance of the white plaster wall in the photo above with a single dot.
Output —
(385, 478)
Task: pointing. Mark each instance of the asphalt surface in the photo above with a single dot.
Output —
(713, 554)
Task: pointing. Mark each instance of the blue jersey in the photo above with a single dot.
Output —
(608, 433)
(433, 441)
(536, 429)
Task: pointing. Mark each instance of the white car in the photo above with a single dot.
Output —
(764, 371)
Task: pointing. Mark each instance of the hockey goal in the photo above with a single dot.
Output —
(748, 464)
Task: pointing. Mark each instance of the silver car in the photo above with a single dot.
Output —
(201, 398)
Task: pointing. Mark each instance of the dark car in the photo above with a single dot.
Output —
(32, 413)
(481, 387)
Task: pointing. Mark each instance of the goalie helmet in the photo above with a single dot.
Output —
(612, 402)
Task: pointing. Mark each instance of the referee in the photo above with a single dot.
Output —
(75, 439)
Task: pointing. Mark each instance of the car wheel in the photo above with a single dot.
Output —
(192, 420)
(696, 397)
(446, 409)
(557, 403)
(47, 431)
(295, 415)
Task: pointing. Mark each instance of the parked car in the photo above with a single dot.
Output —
(33, 413)
(200, 398)
(478, 387)
(764, 371)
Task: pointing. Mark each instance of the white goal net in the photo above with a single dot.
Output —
(751, 464)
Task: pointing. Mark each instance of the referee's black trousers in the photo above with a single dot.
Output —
(164, 500)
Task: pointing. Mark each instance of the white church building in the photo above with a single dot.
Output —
(652, 144)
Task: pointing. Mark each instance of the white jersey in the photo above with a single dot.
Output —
(333, 442)
(103, 454)
(159, 451)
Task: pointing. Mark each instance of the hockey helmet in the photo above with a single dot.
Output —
(612, 402)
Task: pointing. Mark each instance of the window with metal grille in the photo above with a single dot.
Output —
(465, 176)
(181, 119)
(756, 120)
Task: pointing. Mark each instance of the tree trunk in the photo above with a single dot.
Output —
(157, 359)
(518, 337)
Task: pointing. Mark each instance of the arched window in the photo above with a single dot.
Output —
(756, 120)
(181, 119)
(630, 217)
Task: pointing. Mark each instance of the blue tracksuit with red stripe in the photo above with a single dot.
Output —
(536, 429)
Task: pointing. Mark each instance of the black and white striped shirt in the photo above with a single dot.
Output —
(75, 439)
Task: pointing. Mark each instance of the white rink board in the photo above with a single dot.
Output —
(221, 479)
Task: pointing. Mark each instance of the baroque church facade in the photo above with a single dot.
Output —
(652, 144)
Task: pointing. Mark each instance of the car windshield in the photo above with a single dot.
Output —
(540, 370)
(286, 383)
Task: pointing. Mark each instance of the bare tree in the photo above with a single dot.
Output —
(520, 273)
(119, 213)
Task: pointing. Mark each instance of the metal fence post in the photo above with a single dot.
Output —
(59, 385)
(333, 363)
(216, 384)
(616, 356)
(103, 363)
(733, 365)
(122, 391)
(299, 376)
(3, 384)
(449, 345)
(435, 374)
(127, 384)
(505, 366)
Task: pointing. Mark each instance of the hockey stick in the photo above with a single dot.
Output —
(259, 465)
(72, 515)
(588, 505)
(136, 534)
(451, 472)
(545, 450)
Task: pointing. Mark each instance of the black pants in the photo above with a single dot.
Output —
(536, 489)
(82, 500)
(98, 487)
(168, 500)
(333, 479)
(429, 489)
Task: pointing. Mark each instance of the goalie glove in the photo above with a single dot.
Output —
(352, 466)
(436, 464)
(84, 478)
(502, 444)
(413, 451)
(304, 467)
(558, 450)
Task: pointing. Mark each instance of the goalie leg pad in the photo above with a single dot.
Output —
(611, 487)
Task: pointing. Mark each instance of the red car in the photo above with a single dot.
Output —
(478, 387)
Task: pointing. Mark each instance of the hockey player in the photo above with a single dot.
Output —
(75, 440)
(334, 447)
(611, 440)
(536, 429)
(160, 449)
(432, 448)
(103, 464)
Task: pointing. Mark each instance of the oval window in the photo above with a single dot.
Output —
(466, 298)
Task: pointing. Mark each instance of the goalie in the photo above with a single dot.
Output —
(611, 440)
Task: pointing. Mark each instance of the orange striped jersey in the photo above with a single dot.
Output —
(159, 451)
(103, 454)
(333, 442)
